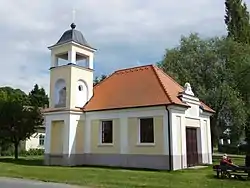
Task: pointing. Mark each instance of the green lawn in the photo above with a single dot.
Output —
(31, 168)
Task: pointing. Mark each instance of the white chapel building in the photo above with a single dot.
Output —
(137, 117)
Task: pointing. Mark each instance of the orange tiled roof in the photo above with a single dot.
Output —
(136, 87)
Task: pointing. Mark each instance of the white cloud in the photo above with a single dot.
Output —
(124, 32)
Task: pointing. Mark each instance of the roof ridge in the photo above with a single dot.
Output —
(162, 85)
(169, 77)
(155, 67)
(117, 71)
(131, 68)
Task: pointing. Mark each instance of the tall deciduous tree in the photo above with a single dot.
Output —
(238, 27)
(210, 66)
(38, 97)
(18, 121)
(97, 79)
(17, 95)
(237, 20)
(3, 139)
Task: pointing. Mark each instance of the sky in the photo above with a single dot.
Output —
(126, 33)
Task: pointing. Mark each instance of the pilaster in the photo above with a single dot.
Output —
(165, 134)
(47, 134)
(124, 135)
(72, 56)
(87, 136)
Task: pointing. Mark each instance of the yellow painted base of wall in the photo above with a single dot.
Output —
(57, 137)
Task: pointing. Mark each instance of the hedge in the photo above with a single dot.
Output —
(31, 152)
(230, 149)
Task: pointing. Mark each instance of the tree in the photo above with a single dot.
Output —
(3, 139)
(18, 121)
(38, 97)
(237, 21)
(15, 94)
(3, 95)
(97, 79)
(210, 66)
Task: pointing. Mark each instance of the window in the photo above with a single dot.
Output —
(147, 130)
(62, 97)
(41, 140)
(107, 132)
(80, 87)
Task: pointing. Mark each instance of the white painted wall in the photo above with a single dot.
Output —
(180, 118)
(33, 142)
(81, 93)
(70, 119)
(178, 137)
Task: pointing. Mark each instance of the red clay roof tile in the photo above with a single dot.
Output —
(136, 87)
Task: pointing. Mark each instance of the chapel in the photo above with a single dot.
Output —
(138, 117)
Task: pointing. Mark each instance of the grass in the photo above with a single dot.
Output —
(32, 168)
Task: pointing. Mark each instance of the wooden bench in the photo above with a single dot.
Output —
(226, 171)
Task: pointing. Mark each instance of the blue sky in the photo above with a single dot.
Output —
(126, 33)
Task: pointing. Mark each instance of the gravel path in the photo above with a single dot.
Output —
(21, 183)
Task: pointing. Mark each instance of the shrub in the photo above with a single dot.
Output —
(32, 152)
(7, 150)
(230, 149)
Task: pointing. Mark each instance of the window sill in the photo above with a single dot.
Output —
(105, 145)
(146, 144)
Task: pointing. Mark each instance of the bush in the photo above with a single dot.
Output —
(230, 149)
(7, 150)
(32, 152)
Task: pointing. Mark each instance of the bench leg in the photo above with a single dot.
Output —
(228, 175)
(222, 174)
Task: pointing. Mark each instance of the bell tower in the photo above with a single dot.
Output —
(71, 84)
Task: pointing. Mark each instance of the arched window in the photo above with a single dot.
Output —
(60, 93)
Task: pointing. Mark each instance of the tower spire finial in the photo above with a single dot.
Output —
(73, 25)
(73, 15)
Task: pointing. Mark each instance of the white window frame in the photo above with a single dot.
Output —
(100, 133)
(139, 132)
(39, 139)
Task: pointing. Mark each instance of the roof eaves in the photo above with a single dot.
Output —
(74, 42)
(210, 111)
(182, 105)
(121, 108)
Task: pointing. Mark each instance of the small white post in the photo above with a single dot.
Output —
(54, 61)
(90, 62)
(72, 56)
